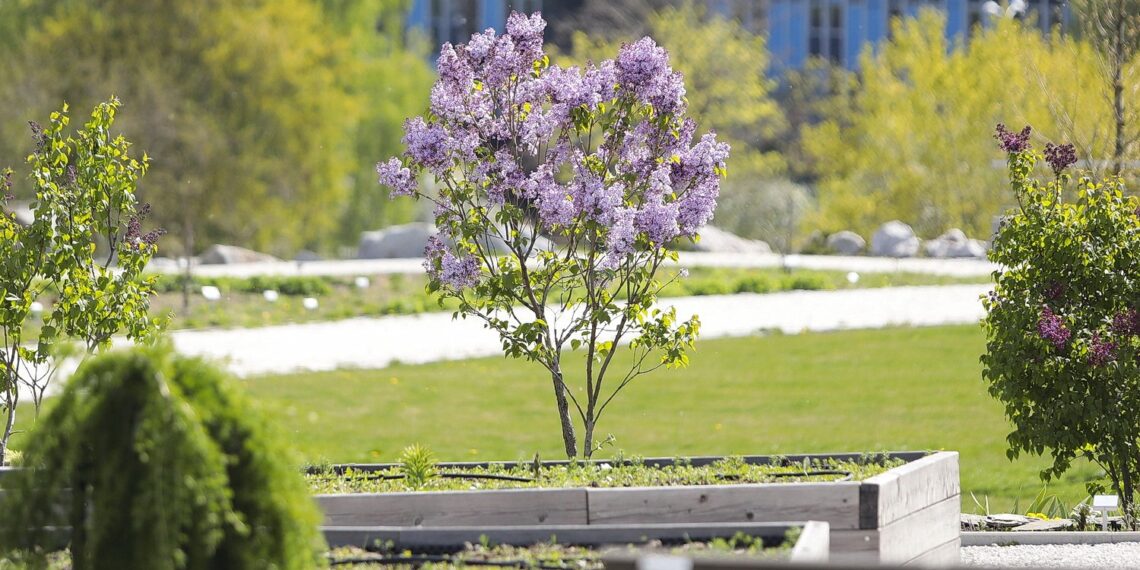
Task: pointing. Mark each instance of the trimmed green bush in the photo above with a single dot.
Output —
(161, 464)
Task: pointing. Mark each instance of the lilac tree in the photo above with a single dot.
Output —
(1062, 324)
(558, 190)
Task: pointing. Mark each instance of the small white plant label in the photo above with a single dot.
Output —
(1106, 502)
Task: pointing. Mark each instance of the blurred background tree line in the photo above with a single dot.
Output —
(264, 118)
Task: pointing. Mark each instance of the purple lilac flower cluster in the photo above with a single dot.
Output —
(1126, 322)
(1052, 328)
(457, 272)
(994, 298)
(512, 129)
(1011, 141)
(134, 236)
(1101, 351)
(1060, 157)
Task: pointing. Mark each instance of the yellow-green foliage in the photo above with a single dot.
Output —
(916, 142)
(157, 462)
(252, 110)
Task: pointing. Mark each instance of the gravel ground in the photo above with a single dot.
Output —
(1118, 555)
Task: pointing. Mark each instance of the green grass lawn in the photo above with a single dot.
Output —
(876, 390)
(895, 389)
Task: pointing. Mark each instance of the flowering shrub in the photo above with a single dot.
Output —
(558, 189)
(1062, 324)
(84, 187)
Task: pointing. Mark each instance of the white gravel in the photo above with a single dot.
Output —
(1118, 555)
(377, 342)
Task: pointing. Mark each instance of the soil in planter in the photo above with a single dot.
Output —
(600, 474)
(552, 556)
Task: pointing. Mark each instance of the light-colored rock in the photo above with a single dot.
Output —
(405, 240)
(954, 244)
(894, 239)
(1006, 521)
(306, 255)
(846, 243)
(716, 240)
(22, 209)
(219, 254)
(1042, 525)
(161, 264)
(972, 522)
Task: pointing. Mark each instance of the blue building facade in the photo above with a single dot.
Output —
(838, 30)
(797, 30)
(456, 20)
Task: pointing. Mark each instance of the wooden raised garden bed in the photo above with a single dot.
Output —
(906, 515)
(616, 546)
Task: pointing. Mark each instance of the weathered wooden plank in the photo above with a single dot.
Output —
(943, 556)
(913, 535)
(890, 496)
(814, 544)
(835, 503)
(855, 546)
(588, 535)
(360, 536)
(491, 507)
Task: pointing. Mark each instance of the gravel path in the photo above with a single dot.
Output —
(377, 342)
(1118, 555)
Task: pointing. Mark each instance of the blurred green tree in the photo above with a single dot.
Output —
(255, 112)
(913, 142)
(391, 80)
(1112, 27)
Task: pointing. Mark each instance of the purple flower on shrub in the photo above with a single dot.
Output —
(134, 236)
(453, 70)
(1060, 157)
(1126, 322)
(507, 128)
(397, 176)
(1012, 142)
(639, 64)
(620, 240)
(453, 272)
(1101, 351)
(427, 144)
(480, 46)
(1052, 328)
(526, 34)
(602, 80)
(594, 198)
(555, 207)
(658, 220)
